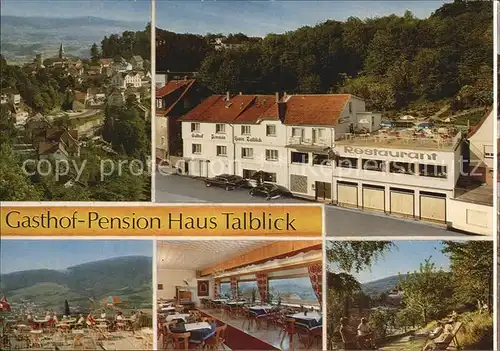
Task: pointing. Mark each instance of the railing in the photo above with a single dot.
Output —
(436, 141)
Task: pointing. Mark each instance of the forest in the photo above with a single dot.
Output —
(392, 61)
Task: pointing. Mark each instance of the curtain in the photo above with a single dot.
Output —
(316, 275)
(262, 284)
(216, 288)
(234, 287)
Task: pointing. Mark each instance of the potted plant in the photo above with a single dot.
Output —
(279, 299)
(254, 295)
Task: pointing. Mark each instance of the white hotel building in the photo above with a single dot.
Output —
(326, 147)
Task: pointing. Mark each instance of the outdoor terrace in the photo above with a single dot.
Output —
(435, 139)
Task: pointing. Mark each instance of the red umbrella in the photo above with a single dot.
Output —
(4, 305)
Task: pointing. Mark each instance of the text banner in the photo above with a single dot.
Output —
(162, 221)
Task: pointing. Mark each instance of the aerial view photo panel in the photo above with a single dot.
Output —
(75, 101)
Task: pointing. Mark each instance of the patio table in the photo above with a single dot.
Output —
(199, 331)
(178, 316)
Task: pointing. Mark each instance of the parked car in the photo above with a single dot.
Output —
(226, 181)
(268, 190)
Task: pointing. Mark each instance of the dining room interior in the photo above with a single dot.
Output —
(239, 294)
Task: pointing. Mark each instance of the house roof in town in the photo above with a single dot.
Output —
(46, 148)
(475, 128)
(106, 61)
(323, 109)
(169, 88)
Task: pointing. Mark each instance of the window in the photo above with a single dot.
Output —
(162, 140)
(318, 134)
(373, 121)
(402, 167)
(488, 151)
(321, 160)
(196, 148)
(300, 157)
(348, 162)
(160, 286)
(159, 103)
(220, 128)
(245, 130)
(433, 171)
(297, 291)
(246, 288)
(271, 130)
(195, 127)
(225, 290)
(298, 132)
(373, 165)
(350, 106)
(246, 152)
(221, 150)
(271, 155)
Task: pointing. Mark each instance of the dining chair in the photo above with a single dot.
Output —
(181, 340)
(289, 330)
(218, 340)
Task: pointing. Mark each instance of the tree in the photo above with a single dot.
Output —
(355, 255)
(15, 185)
(426, 292)
(67, 311)
(471, 271)
(94, 53)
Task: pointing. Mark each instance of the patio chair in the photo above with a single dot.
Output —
(181, 340)
(167, 336)
(217, 341)
(445, 345)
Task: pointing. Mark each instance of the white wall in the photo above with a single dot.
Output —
(470, 217)
(170, 278)
(447, 159)
(484, 136)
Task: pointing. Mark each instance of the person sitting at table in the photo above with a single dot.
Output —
(445, 337)
(90, 320)
(119, 320)
(54, 318)
(365, 335)
(81, 321)
(30, 317)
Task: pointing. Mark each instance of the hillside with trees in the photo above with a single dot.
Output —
(393, 62)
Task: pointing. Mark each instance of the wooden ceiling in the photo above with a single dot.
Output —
(276, 250)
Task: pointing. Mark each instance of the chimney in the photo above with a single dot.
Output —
(284, 96)
(277, 97)
(228, 96)
(185, 77)
(281, 111)
(241, 93)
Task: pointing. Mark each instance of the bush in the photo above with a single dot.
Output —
(476, 332)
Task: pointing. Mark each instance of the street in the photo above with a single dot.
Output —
(340, 222)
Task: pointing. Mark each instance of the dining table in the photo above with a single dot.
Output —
(310, 320)
(177, 316)
(200, 331)
(260, 310)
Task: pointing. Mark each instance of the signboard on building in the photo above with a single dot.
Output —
(248, 139)
(390, 153)
(196, 135)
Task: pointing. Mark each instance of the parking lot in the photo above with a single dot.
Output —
(339, 221)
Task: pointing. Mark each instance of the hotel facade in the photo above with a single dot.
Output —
(328, 148)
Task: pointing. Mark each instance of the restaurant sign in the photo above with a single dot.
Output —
(391, 153)
(249, 139)
(197, 135)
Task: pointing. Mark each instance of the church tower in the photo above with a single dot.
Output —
(61, 51)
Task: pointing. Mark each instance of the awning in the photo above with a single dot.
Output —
(323, 150)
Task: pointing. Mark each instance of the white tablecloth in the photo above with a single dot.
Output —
(173, 317)
(310, 316)
(196, 326)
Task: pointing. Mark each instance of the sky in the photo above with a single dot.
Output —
(405, 257)
(255, 18)
(20, 255)
(123, 10)
(258, 18)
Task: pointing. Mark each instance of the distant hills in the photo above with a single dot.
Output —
(129, 278)
(23, 37)
(382, 285)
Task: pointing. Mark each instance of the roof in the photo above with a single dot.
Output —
(38, 117)
(106, 61)
(169, 88)
(45, 148)
(475, 128)
(172, 86)
(314, 110)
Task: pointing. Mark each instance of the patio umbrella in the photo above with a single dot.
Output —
(4, 305)
(112, 300)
